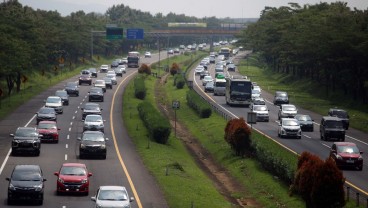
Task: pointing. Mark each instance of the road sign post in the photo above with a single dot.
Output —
(175, 106)
(251, 118)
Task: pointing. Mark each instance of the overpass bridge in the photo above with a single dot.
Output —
(170, 32)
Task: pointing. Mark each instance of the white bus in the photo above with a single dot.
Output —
(133, 59)
(238, 90)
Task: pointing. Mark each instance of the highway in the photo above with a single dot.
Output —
(310, 141)
(123, 165)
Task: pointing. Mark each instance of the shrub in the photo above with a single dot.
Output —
(237, 135)
(179, 81)
(201, 107)
(144, 69)
(158, 126)
(174, 69)
(139, 88)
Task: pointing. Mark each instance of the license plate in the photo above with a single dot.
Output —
(350, 161)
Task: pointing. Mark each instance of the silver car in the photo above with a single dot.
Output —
(262, 112)
(289, 127)
(112, 196)
(93, 123)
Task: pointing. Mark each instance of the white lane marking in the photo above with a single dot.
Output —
(70, 129)
(80, 103)
(67, 137)
(307, 136)
(66, 157)
(71, 123)
(66, 146)
(73, 117)
(76, 111)
(34, 116)
(356, 140)
(326, 145)
(5, 160)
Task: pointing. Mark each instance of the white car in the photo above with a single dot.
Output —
(101, 84)
(104, 68)
(112, 196)
(287, 111)
(262, 112)
(199, 69)
(113, 78)
(206, 79)
(289, 127)
(93, 123)
(147, 54)
(55, 102)
(256, 87)
(255, 94)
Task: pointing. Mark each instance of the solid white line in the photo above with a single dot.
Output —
(34, 116)
(356, 140)
(307, 136)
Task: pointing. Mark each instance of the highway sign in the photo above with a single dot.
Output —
(114, 33)
(135, 34)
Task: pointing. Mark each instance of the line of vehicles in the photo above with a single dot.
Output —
(26, 182)
(241, 91)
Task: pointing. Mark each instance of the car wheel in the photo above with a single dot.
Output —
(40, 202)
(37, 153)
(360, 168)
(10, 202)
(104, 156)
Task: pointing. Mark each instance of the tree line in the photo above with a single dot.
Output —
(326, 43)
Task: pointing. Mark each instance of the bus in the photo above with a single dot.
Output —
(238, 90)
(226, 52)
(133, 59)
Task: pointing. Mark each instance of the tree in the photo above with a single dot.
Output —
(237, 135)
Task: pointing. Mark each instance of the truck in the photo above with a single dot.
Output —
(133, 59)
(238, 90)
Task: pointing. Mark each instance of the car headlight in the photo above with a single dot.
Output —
(82, 146)
(86, 125)
(84, 181)
(60, 180)
(38, 187)
(11, 187)
(101, 124)
(338, 157)
(103, 146)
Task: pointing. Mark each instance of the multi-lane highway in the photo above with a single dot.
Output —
(123, 165)
(310, 141)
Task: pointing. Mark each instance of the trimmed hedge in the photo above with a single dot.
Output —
(179, 81)
(196, 102)
(139, 88)
(158, 126)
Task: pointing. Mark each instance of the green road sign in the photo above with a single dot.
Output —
(114, 33)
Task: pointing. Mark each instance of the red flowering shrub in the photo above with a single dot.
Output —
(237, 135)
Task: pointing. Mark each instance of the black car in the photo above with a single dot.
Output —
(46, 114)
(332, 128)
(92, 143)
(305, 122)
(64, 96)
(91, 109)
(72, 88)
(96, 94)
(93, 72)
(108, 82)
(26, 139)
(203, 73)
(281, 97)
(26, 183)
(341, 114)
(85, 78)
(209, 87)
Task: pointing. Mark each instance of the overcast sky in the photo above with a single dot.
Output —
(197, 8)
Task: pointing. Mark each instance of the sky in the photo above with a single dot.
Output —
(196, 8)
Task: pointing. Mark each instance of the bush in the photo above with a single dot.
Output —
(179, 81)
(320, 183)
(200, 106)
(144, 69)
(158, 126)
(139, 88)
(174, 69)
(237, 135)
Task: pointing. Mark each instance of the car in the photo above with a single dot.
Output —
(64, 96)
(220, 86)
(120, 70)
(85, 79)
(255, 94)
(305, 121)
(212, 59)
(93, 72)
(104, 68)
(182, 47)
(114, 64)
(108, 82)
(26, 139)
(206, 79)
(95, 94)
(73, 178)
(199, 69)
(280, 97)
(176, 50)
(231, 67)
(258, 101)
(261, 111)
(287, 111)
(85, 72)
(92, 143)
(332, 128)
(170, 51)
(91, 109)
(289, 127)
(54, 102)
(219, 68)
(26, 183)
(101, 84)
(113, 78)
(220, 75)
(72, 88)
(341, 114)
(346, 154)
(120, 61)
(112, 196)
(256, 87)
(93, 123)
(209, 87)
(46, 114)
(147, 54)
(49, 131)
(203, 74)
(125, 61)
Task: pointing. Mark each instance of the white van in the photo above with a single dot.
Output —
(219, 87)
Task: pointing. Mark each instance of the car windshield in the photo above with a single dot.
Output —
(71, 84)
(334, 124)
(26, 132)
(209, 84)
(77, 171)
(61, 93)
(100, 82)
(107, 80)
(53, 100)
(340, 114)
(93, 118)
(96, 90)
(91, 107)
(260, 108)
(95, 136)
(47, 111)
(348, 149)
(290, 123)
(26, 175)
(289, 108)
(255, 91)
(111, 76)
(47, 126)
(282, 95)
(113, 195)
(304, 118)
(220, 84)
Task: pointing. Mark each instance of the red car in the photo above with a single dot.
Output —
(73, 178)
(49, 131)
(346, 154)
